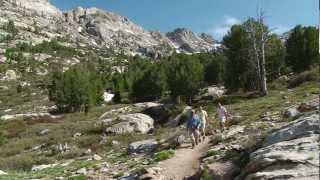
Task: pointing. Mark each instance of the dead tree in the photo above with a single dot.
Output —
(259, 35)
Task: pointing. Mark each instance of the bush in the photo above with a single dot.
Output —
(17, 163)
(3, 138)
(312, 75)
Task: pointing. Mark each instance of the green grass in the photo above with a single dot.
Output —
(251, 108)
(212, 153)
(163, 155)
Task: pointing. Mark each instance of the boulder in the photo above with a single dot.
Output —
(292, 152)
(76, 135)
(222, 170)
(160, 113)
(215, 91)
(291, 112)
(129, 123)
(2, 173)
(145, 146)
(82, 171)
(11, 75)
(96, 157)
(44, 132)
(107, 97)
(3, 58)
(115, 143)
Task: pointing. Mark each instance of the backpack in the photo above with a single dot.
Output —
(195, 122)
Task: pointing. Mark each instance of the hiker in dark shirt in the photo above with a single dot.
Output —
(193, 126)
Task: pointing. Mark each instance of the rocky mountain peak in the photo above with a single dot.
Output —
(187, 41)
(207, 37)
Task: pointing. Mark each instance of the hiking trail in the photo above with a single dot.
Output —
(185, 162)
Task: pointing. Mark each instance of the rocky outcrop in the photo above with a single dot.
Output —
(129, 123)
(42, 7)
(145, 146)
(292, 152)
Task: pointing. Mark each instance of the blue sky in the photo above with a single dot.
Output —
(211, 16)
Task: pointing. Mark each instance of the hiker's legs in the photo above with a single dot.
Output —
(221, 126)
(192, 137)
(196, 136)
(203, 132)
(222, 123)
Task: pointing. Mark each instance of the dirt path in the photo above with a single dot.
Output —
(185, 163)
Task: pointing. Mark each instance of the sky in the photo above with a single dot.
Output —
(210, 16)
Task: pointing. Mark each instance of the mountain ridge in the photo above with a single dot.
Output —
(102, 29)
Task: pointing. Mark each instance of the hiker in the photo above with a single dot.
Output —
(222, 115)
(203, 120)
(193, 128)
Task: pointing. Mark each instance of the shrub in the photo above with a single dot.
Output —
(312, 75)
(3, 138)
(15, 127)
(18, 163)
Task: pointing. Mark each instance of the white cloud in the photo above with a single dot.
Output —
(222, 29)
(228, 20)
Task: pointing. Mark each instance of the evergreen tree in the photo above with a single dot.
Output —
(240, 68)
(214, 70)
(75, 90)
(184, 76)
(275, 58)
(149, 86)
(302, 48)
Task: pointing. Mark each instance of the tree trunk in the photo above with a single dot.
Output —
(264, 90)
(258, 65)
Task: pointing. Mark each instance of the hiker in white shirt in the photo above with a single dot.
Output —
(222, 115)
(203, 121)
